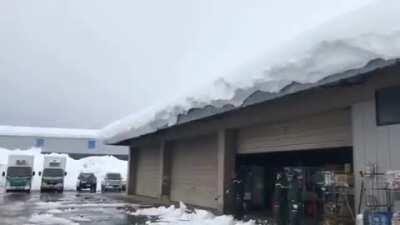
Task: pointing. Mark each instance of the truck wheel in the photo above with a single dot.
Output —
(103, 189)
(61, 190)
(78, 189)
(93, 189)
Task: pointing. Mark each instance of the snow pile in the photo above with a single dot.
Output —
(347, 42)
(99, 165)
(182, 216)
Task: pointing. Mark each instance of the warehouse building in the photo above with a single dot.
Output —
(76, 143)
(343, 121)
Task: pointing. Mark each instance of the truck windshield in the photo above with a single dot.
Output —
(86, 176)
(14, 171)
(114, 176)
(53, 172)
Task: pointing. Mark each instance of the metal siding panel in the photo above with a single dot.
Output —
(194, 171)
(370, 128)
(17, 142)
(383, 148)
(372, 143)
(327, 130)
(359, 154)
(394, 143)
(80, 146)
(148, 181)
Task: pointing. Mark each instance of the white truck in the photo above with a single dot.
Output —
(53, 173)
(19, 174)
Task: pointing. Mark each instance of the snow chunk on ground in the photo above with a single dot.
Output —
(182, 216)
(48, 205)
(49, 219)
(80, 218)
(55, 211)
(99, 165)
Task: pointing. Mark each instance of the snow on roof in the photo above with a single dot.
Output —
(47, 132)
(342, 47)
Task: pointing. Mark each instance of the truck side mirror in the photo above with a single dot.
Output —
(65, 173)
(33, 173)
(40, 173)
(3, 174)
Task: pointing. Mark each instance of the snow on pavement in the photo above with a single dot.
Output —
(49, 219)
(52, 213)
(183, 216)
(70, 208)
(69, 205)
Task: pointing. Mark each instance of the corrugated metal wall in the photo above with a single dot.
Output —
(375, 144)
(148, 181)
(327, 130)
(372, 143)
(194, 171)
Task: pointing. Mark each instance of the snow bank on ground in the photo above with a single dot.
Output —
(347, 42)
(99, 165)
(182, 216)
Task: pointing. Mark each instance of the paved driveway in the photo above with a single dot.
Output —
(68, 208)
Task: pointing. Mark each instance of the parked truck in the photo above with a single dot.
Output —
(19, 173)
(86, 181)
(111, 182)
(53, 173)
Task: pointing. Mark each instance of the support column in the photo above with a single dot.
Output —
(165, 162)
(132, 170)
(226, 168)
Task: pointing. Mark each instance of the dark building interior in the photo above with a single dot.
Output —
(260, 174)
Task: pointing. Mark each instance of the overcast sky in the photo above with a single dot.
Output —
(84, 64)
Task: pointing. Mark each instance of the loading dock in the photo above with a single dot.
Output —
(309, 145)
(260, 171)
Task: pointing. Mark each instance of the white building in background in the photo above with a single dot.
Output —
(77, 143)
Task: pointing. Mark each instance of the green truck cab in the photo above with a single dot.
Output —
(53, 174)
(19, 173)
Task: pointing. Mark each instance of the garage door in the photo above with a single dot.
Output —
(148, 181)
(327, 130)
(194, 171)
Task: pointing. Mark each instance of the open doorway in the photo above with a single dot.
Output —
(272, 179)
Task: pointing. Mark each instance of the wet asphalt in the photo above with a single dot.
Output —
(68, 208)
